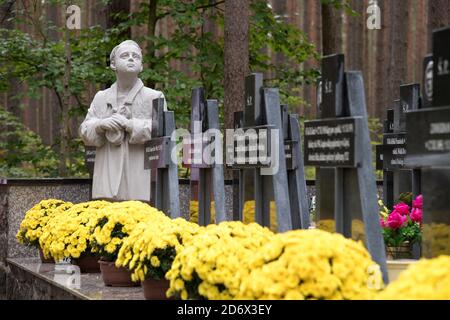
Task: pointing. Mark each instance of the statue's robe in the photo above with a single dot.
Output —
(119, 161)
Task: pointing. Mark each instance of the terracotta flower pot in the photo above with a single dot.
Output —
(155, 289)
(116, 277)
(87, 264)
(44, 259)
(403, 251)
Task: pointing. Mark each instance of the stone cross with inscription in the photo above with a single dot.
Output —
(198, 156)
(164, 172)
(257, 151)
(341, 140)
(428, 134)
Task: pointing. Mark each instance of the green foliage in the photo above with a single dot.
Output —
(376, 138)
(341, 4)
(411, 233)
(22, 153)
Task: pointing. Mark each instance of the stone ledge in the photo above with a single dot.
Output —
(32, 280)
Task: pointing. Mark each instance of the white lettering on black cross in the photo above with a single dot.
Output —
(204, 148)
(342, 141)
(429, 148)
(164, 173)
(257, 151)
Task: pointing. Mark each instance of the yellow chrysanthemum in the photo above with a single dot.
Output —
(428, 279)
(215, 261)
(311, 264)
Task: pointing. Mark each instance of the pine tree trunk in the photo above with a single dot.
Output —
(151, 32)
(399, 47)
(331, 30)
(236, 58)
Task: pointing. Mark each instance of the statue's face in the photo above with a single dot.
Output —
(128, 59)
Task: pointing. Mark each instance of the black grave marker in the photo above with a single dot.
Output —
(258, 182)
(298, 194)
(429, 147)
(204, 134)
(164, 172)
(356, 211)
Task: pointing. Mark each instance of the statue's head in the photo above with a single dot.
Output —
(126, 58)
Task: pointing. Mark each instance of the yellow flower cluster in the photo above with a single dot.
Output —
(250, 210)
(152, 246)
(424, 280)
(311, 264)
(248, 213)
(69, 235)
(116, 222)
(37, 217)
(358, 231)
(213, 264)
(384, 211)
(193, 211)
(440, 245)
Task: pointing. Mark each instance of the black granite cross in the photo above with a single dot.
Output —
(428, 134)
(342, 141)
(211, 185)
(262, 172)
(164, 172)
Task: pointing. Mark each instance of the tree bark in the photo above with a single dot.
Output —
(236, 56)
(331, 30)
(236, 59)
(381, 89)
(151, 32)
(398, 48)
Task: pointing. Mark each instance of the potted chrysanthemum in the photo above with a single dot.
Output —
(68, 235)
(311, 265)
(113, 226)
(149, 252)
(212, 265)
(35, 220)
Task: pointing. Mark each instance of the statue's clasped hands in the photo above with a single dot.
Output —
(116, 122)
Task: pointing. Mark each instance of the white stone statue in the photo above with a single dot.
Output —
(118, 123)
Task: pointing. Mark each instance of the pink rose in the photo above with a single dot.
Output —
(418, 202)
(383, 223)
(402, 208)
(395, 220)
(416, 215)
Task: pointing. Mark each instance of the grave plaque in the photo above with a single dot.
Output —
(394, 151)
(331, 143)
(89, 159)
(251, 149)
(431, 136)
(157, 153)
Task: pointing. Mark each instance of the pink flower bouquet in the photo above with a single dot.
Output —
(404, 223)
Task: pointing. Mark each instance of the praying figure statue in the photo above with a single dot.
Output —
(118, 124)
